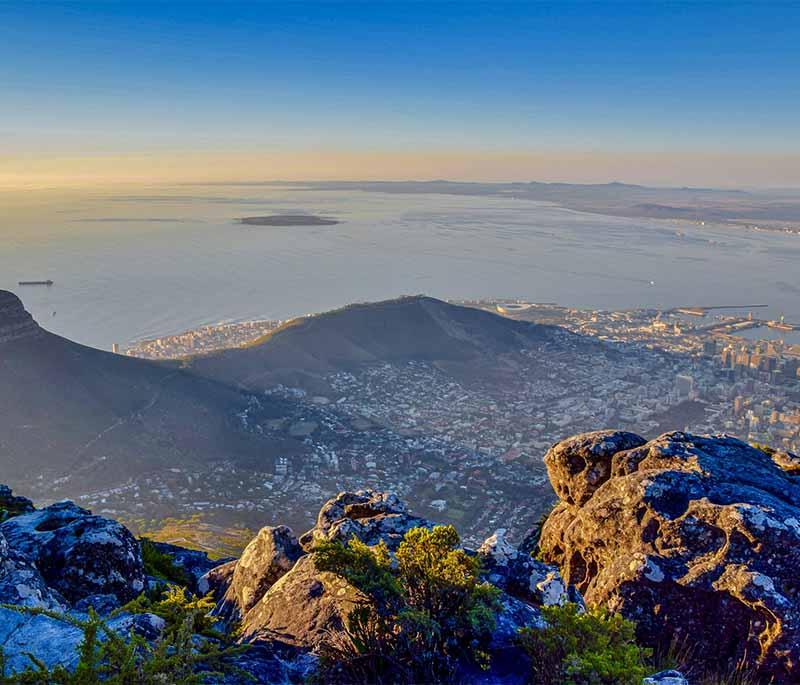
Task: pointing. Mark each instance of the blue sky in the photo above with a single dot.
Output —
(621, 78)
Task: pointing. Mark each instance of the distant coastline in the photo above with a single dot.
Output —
(287, 220)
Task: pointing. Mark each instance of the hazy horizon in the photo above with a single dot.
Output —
(654, 94)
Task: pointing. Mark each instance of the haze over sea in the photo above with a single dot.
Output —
(149, 261)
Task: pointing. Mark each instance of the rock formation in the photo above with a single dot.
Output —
(15, 322)
(270, 555)
(697, 539)
(77, 553)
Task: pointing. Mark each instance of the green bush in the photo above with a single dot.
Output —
(584, 648)
(422, 613)
(162, 566)
(176, 658)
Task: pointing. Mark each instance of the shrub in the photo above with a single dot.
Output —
(161, 565)
(177, 657)
(421, 614)
(590, 648)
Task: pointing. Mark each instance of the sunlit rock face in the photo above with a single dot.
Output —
(696, 538)
(15, 322)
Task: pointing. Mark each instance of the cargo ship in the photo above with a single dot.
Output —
(47, 283)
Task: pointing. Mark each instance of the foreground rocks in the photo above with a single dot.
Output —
(65, 559)
(695, 538)
(78, 554)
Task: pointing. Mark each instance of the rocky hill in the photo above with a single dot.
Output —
(415, 328)
(80, 418)
(695, 538)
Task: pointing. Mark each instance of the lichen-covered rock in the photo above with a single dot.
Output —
(301, 607)
(368, 515)
(77, 553)
(22, 584)
(695, 538)
(267, 557)
(523, 576)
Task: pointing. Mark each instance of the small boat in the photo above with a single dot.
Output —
(47, 283)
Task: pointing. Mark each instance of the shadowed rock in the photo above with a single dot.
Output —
(696, 538)
(77, 553)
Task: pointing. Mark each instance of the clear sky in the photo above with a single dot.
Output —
(651, 92)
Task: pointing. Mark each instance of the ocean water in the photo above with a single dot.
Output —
(141, 262)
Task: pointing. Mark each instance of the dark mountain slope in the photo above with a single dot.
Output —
(84, 418)
(410, 328)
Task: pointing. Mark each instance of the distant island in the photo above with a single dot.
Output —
(287, 220)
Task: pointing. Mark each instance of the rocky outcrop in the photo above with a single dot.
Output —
(522, 576)
(696, 538)
(368, 515)
(269, 556)
(15, 322)
(78, 554)
(22, 584)
(302, 607)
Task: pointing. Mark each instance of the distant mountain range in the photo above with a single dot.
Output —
(777, 209)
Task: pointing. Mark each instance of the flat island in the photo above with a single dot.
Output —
(287, 220)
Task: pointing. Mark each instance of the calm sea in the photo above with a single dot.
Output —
(143, 262)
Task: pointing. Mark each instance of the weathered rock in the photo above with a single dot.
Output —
(695, 538)
(666, 678)
(56, 642)
(77, 553)
(22, 584)
(217, 580)
(301, 607)
(368, 515)
(53, 642)
(522, 576)
(267, 557)
(13, 505)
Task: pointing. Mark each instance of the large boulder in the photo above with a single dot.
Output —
(267, 557)
(368, 515)
(302, 607)
(77, 553)
(22, 584)
(695, 538)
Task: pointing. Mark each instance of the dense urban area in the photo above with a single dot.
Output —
(467, 448)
